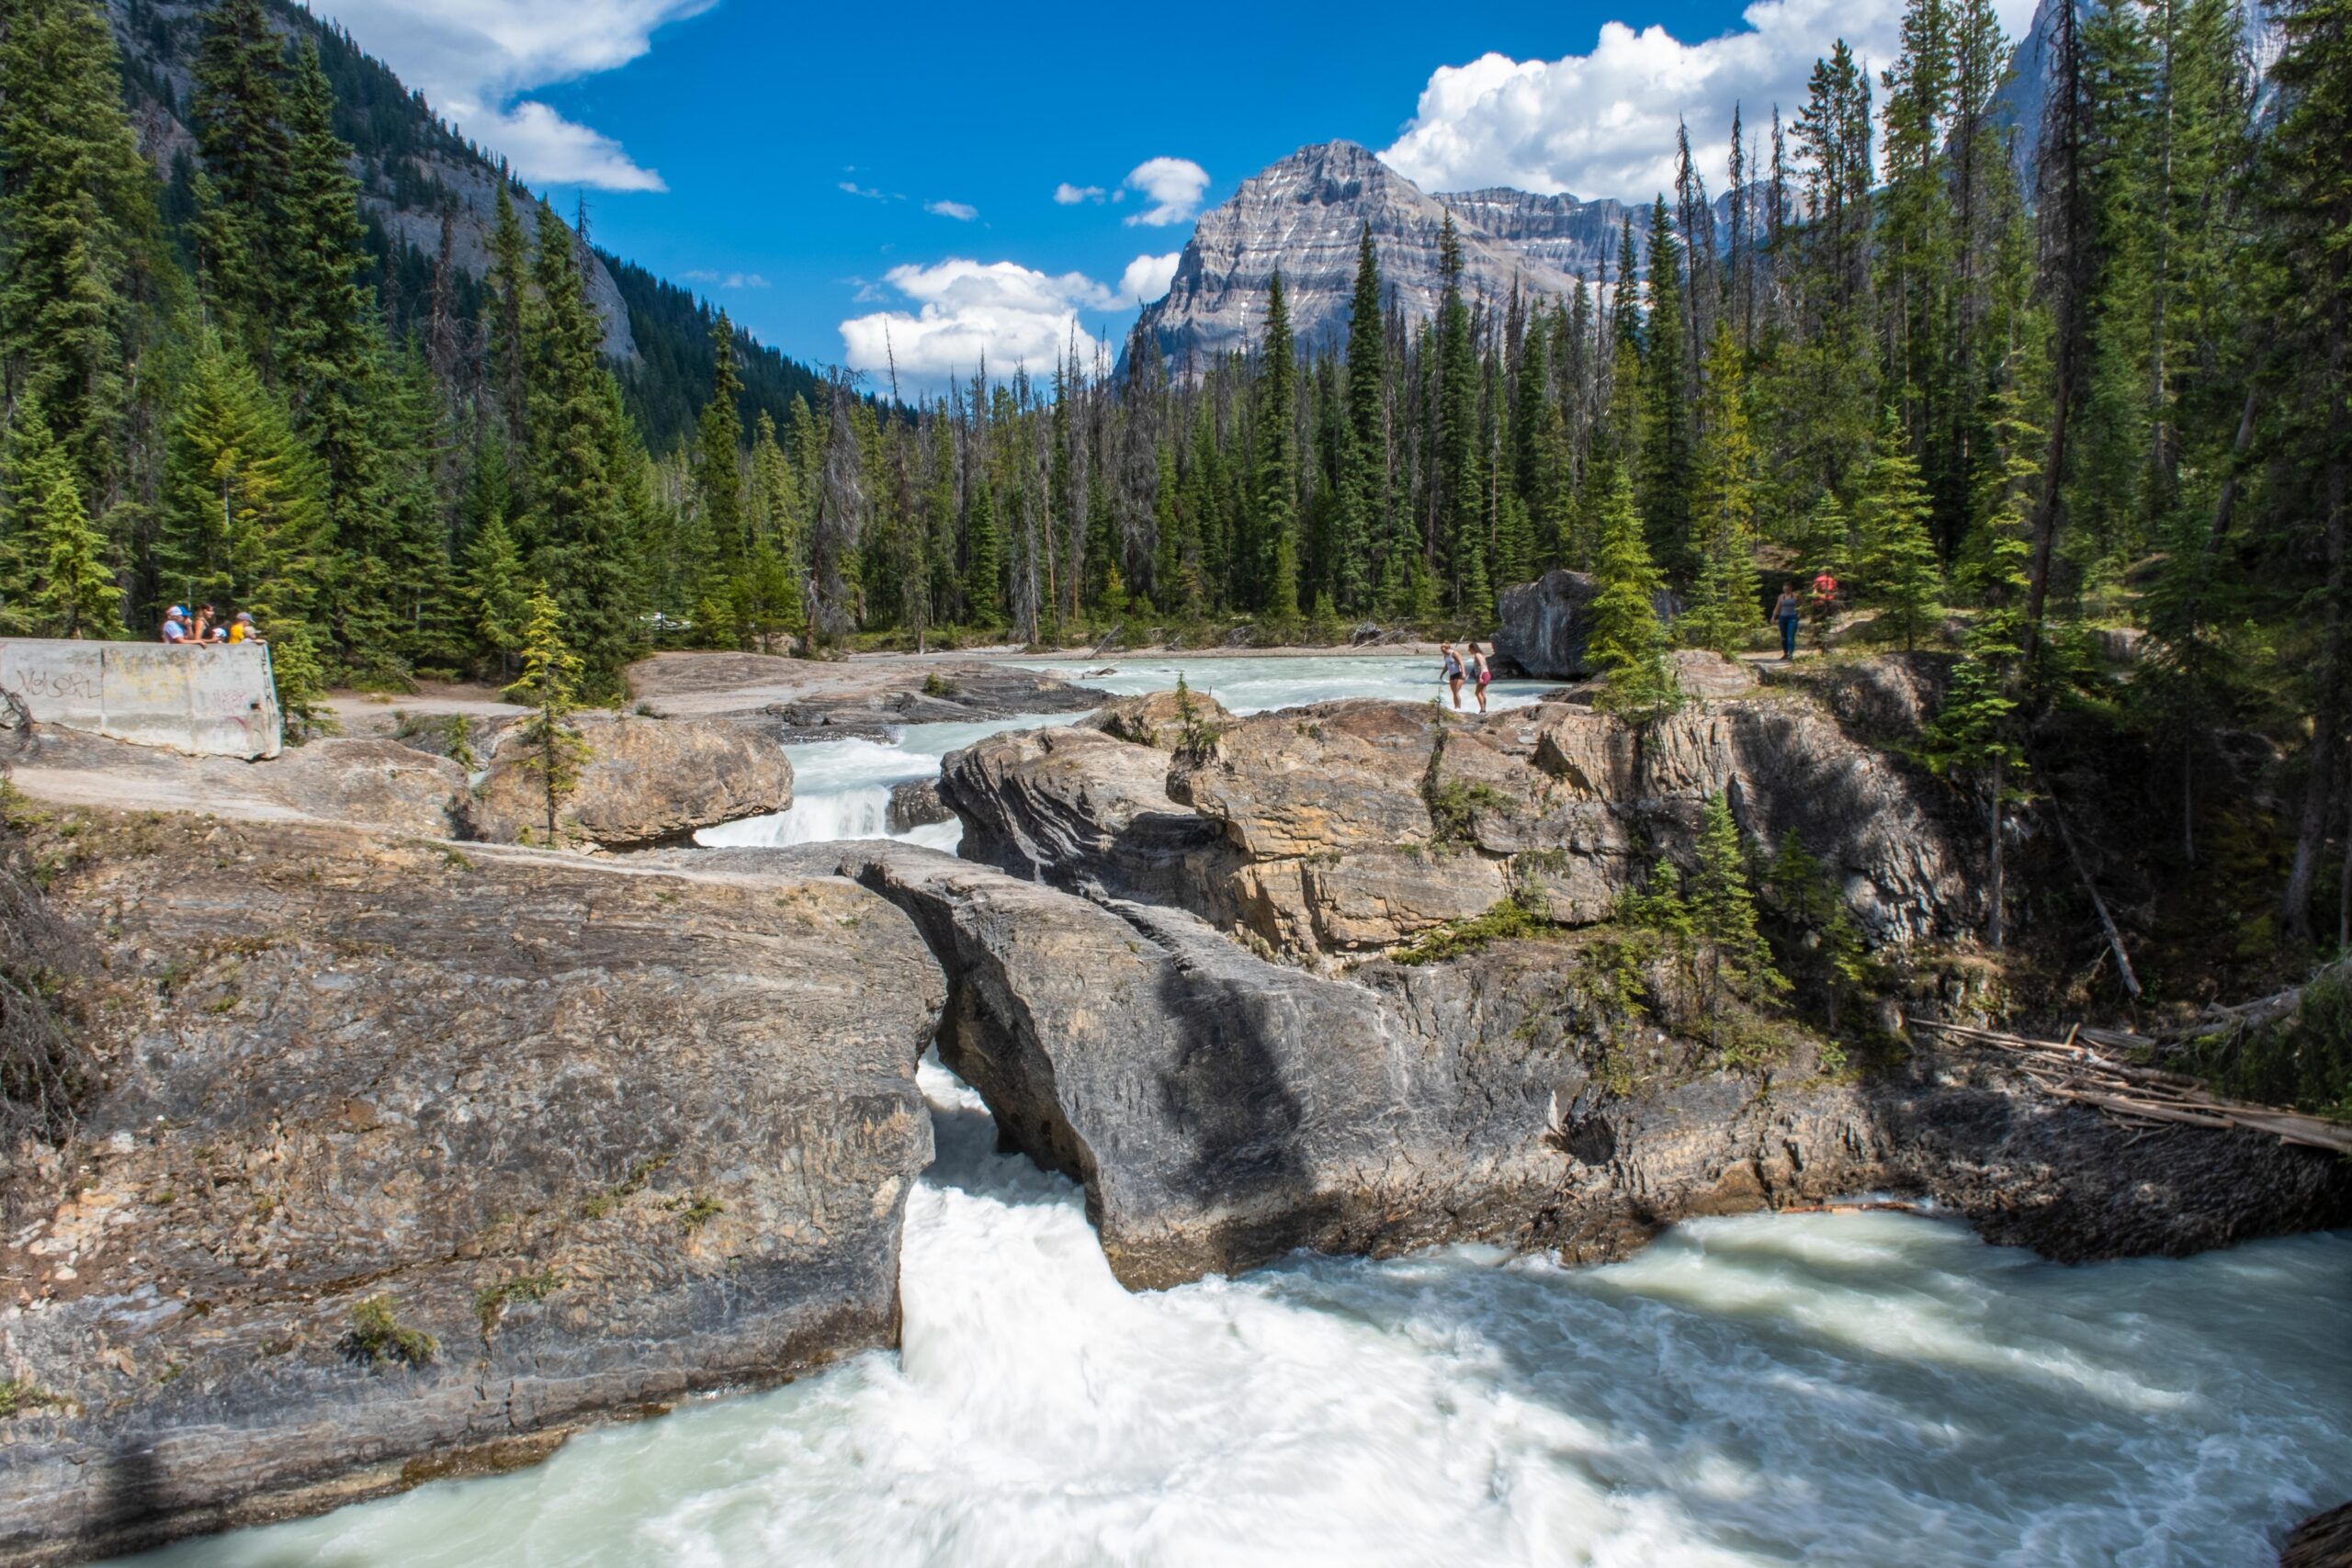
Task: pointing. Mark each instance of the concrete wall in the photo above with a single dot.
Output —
(220, 700)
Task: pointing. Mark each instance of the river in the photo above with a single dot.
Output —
(1863, 1388)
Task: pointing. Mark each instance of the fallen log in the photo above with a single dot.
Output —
(2073, 1071)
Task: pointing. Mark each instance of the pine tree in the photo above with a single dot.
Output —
(550, 687)
(69, 587)
(983, 561)
(1722, 608)
(238, 110)
(1666, 473)
(1278, 461)
(76, 216)
(840, 521)
(579, 535)
(244, 507)
(1734, 959)
(1898, 557)
(1977, 733)
(507, 353)
(1460, 473)
(1626, 644)
(494, 586)
(1363, 536)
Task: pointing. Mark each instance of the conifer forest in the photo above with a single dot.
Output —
(2034, 393)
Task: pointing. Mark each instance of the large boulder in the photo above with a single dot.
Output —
(1221, 1109)
(605, 1136)
(1543, 624)
(1084, 811)
(645, 782)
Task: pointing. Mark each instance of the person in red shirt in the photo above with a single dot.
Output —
(1825, 605)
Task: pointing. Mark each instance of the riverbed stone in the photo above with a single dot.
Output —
(644, 782)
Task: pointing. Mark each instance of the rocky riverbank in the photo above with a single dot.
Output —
(410, 1158)
(403, 1156)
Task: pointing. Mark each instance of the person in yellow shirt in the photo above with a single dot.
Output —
(241, 628)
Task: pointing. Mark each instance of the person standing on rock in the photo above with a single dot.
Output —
(1453, 672)
(1788, 612)
(1481, 671)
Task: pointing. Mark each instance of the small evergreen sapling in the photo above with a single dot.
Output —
(1734, 960)
(549, 684)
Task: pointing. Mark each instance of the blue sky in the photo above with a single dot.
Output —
(828, 172)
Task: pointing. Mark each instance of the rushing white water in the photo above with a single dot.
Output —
(1864, 1389)
(842, 788)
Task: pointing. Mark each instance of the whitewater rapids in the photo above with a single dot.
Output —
(1864, 1389)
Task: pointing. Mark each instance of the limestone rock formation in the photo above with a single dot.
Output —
(605, 1137)
(645, 782)
(1348, 826)
(1221, 1109)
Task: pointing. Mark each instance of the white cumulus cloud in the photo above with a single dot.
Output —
(725, 279)
(1148, 277)
(1172, 185)
(476, 59)
(967, 311)
(1069, 195)
(962, 211)
(1602, 124)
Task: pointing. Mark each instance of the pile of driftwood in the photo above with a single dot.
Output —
(2087, 1066)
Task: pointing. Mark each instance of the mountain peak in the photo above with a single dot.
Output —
(1302, 215)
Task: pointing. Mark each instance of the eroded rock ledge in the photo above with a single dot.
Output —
(1346, 828)
(609, 1135)
(1221, 1109)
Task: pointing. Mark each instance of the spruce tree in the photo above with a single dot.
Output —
(70, 588)
(1722, 608)
(983, 561)
(329, 351)
(1666, 468)
(719, 444)
(244, 502)
(1625, 643)
(77, 220)
(494, 587)
(1278, 461)
(1362, 542)
(1460, 469)
(1734, 960)
(580, 543)
(239, 119)
(1899, 567)
(506, 355)
(1977, 733)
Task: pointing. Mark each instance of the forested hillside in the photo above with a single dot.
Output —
(2009, 425)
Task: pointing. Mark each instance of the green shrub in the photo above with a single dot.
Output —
(377, 1337)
